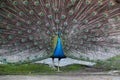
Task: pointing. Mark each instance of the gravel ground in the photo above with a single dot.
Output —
(59, 77)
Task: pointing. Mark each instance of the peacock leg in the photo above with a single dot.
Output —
(53, 66)
(58, 65)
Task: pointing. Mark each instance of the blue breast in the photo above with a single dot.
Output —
(58, 52)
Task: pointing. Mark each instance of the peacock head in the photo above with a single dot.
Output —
(59, 33)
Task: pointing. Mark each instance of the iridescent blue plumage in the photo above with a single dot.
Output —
(58, 51)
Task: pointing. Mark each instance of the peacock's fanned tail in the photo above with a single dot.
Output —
(85, 26)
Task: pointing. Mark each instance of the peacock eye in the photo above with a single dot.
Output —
(48, 5)
(20, 32)
(50, 16)
(25, 2)
(71, 12)
(36, 3)
(94, 13)
(8, 27)
(74, 21)
(10, 36)
(48, 32)
(111, 3)
(100, 3)
(47, 24)
(18, 24)
(65, 24)
(3, 4)
(31, 37)
(15, 3)
(31, 12)
(57, 21)
(56, 10)
(10, 15)
(23, 39)
(39, 22)
(117, 18)
(29, 31)
(63, 16)
(41, 14)
(21, 13)
(29, 22)
(88, 2)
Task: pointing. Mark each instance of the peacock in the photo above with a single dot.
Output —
(58, 51)
(58, 28)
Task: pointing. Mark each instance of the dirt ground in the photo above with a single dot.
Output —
(87, 74)
(59, 77)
